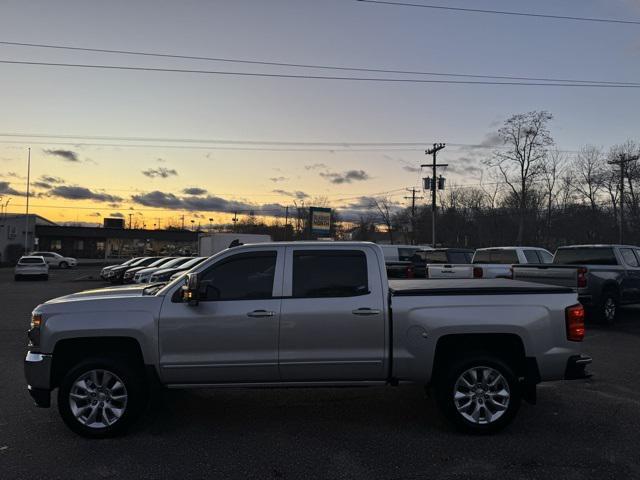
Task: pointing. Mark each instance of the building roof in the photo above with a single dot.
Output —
(100, 232)
(39, 220)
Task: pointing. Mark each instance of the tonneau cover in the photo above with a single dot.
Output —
(471, 286)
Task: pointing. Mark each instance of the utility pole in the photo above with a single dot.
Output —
(182, 221)
(432, 151)
(130, 217)
(235, 220)
(26, 229)
(622, 161)
(413, 199)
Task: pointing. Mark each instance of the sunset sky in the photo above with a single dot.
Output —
(76, 176)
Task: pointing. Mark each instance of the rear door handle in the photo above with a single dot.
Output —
(260, 314)
(365, 311)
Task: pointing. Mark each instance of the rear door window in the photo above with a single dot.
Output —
(587, 256)
(324, 273)
(500, 256)
(629, 257)
(531, 256)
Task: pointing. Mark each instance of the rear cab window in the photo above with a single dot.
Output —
(405, 254)
(531, 256)
(587, 256)
(498, 255)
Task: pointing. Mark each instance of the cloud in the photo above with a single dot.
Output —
(12, 175)
(363, 206)
(194, 191)
(160, 160)
(7, 189)
(81, 193)
(116, 215)
(68, 155)
(159, 172)
(411, 168)
(51, 179)
(300, 195)
(210, 203)
(315, 166)
(345, 177)
(278, 179)
(95, 214)
(43, 185)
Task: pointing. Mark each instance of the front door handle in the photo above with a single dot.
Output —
(365, 311)
(260, 314)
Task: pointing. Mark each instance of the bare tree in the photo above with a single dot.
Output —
(527, 138)
(384, 209)
(551, 171)
(588, 173)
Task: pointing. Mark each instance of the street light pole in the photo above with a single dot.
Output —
(26, 229)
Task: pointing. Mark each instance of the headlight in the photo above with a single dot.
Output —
(34, 332)
(36, 320)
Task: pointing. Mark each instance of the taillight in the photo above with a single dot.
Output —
(582, 277)
(575, 323)
(477, 272)
(410, 273)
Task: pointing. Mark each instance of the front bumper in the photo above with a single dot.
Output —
(37, 371)
(577, 367)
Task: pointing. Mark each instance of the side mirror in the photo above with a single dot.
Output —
(190, 290)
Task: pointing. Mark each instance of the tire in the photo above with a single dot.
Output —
(490, 408)
(87, 390)
(607, 309)
(63, 265)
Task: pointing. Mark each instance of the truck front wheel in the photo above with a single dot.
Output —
(101, 397)
(478, 394)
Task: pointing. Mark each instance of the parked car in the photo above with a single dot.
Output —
(116, 274)
(496, 262)
(604, 276)
(443, 263)
(143, 276)
(398, 259)
(56, 260)
(104, 273)
(165, 274)
(31, 266)
(314, 313)
(130, 273)
(400, 253)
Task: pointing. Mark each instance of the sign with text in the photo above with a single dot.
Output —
(320, 221)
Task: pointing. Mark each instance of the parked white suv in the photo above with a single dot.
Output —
(54, 259)
(31, 266)
(496, 262)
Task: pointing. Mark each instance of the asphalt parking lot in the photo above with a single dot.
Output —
(580, 429)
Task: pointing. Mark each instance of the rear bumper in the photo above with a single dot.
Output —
(37, 371)
(577, 367)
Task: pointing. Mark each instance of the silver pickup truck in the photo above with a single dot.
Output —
(303, 314)
(604, 276)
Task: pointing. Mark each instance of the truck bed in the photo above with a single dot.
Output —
(498, 286)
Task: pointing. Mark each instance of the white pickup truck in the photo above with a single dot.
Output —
(492, 262)
(303, 314)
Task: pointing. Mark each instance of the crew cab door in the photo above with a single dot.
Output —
(232, 334)
(333, 322)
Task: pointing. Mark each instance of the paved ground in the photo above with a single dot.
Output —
(582, 429)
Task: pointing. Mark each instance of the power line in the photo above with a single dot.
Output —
(307, 65)
(318, 77)
(336, 145)
(504, 12)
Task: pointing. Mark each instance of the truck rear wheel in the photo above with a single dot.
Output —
(101, 397)
(478, 394)
(608, 308)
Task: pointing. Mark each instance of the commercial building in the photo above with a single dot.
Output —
(95, 243)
